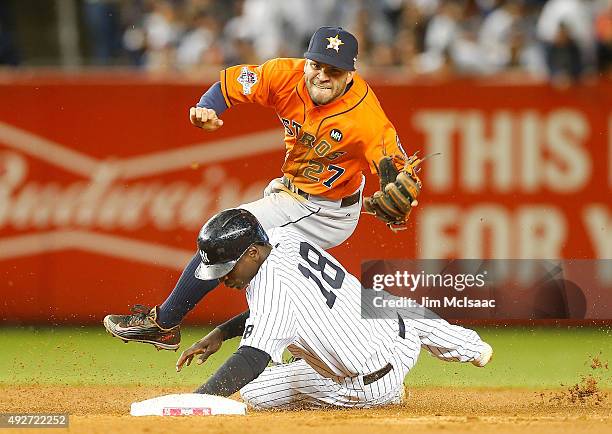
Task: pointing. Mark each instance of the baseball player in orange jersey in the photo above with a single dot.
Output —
(334, 129)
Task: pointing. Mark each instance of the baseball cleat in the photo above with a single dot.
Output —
(141, 326)
(485, 356)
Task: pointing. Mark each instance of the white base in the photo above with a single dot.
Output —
(187, 404)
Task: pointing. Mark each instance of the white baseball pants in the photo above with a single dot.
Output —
(321, 220)
(297, 385)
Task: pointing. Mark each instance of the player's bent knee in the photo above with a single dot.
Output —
(253, 400)
(248, 395)
(259, 397)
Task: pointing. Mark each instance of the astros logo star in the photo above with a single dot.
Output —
(334, 43)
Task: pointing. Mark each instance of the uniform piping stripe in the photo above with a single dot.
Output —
(228, 98)
(301, 218)
(341, 113)
(303, 103)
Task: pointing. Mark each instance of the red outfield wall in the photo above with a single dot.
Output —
(104, 184)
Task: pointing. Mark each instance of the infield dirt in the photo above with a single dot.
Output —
(101, 409)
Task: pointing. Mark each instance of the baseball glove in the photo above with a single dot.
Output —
(399, 190)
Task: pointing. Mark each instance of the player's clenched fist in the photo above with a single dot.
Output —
(204, 118)
(206, 346)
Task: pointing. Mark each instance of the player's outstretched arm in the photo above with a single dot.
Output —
(206, 113)
(206, 346)
(211, 343)
(245, 365)
(205, 118)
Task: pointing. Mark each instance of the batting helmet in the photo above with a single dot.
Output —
(224, 239)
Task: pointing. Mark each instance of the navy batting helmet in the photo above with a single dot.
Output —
(224, 239)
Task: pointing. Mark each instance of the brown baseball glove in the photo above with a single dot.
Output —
(399, 190)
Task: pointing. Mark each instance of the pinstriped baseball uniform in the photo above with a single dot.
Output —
(304, 300)
(446, 341)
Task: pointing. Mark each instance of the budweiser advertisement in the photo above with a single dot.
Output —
(104, 185)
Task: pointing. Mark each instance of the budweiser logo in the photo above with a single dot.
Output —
(116, 195)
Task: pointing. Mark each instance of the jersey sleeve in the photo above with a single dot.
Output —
(385, 144)
(249, 84)
(271, 326)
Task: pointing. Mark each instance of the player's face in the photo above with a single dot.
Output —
(245, 269)
(237, 278)
(325, 83)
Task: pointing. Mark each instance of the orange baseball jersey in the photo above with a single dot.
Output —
(327, 146)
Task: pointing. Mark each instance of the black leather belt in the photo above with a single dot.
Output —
(377, 375)
(346, 201)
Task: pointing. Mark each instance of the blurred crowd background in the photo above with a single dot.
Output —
(564, 40)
